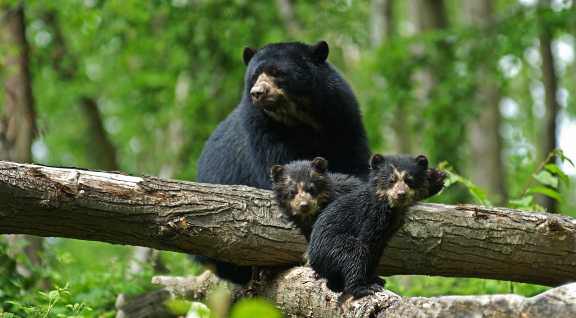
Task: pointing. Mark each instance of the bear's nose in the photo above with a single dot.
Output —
(304, 206)
(257, 92)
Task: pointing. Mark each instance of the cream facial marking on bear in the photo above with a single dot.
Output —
(303, 202)
(277, 104)
(399, 193)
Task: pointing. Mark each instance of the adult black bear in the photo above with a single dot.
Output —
(294, 106)
(349, 235)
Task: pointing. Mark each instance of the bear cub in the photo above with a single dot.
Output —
(303, 188)
(350, 234)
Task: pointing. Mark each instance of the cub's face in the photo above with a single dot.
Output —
(399, 180)
(280, 80)
(301, 187)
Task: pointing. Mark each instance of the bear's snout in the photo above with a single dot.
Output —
(259, 92)
(265, 92)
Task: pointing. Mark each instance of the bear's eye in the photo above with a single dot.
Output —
(409, 181)
(275, 72)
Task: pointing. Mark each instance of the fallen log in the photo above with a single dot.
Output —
(298, 294)
(242, 225)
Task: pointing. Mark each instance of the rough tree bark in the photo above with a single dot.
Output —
(299, 294)
(550, 81)
(241, 225)
(102, 149)
(18, 121)
(176, 133)
(484, 132)
(18, 124)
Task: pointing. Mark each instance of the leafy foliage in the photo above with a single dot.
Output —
(547, 179)
(253, 308)
(165, 73)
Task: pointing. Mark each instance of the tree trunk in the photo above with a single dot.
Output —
(298, 294)
(382, 26)
(484, 132)
(102, 152)
(241, 225)
(176, 131)
(18, 126)
(18, 122)
(428, 16)
(286, 12)
(382, 29)
(550, 81)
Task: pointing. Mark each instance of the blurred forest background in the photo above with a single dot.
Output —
(485, 88)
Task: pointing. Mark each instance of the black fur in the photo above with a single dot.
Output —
(252, 138)
(245, 145)
(318, 187)
(349, 235)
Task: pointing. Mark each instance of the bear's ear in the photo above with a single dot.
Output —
(319, 165)
(422, 161)
(248, 54)
(276, 172)
(320, 51)
(376, 161)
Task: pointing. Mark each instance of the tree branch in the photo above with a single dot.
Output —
(299, 294)
(241, 224)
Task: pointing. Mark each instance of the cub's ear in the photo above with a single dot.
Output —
(319, 165)
(376, 161)
(422, 161)
(276, 172)
(248, 54)
(320, 51)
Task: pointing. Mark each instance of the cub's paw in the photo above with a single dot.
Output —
(378, 280)
(435, 180)
(362, 291)
(377, 284)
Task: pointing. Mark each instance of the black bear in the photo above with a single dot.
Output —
(303, 188)
(349, 235)
(294, 106)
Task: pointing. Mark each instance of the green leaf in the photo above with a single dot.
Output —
(554, 169)
(198, 310)
(53, 294)
(547, 178)
(478, 194)
(178, 306)
(560, 153)
(254, 308)
(547, 192)
(524, 201)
